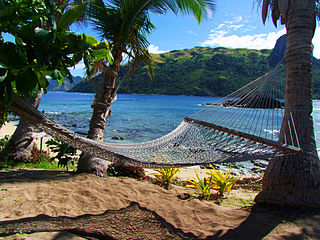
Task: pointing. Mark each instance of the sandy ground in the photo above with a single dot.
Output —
(28, 193)
(39, 137)
(125, 208)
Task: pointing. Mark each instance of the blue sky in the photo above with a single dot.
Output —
(234, 24)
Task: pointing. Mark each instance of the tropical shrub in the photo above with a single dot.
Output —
(221, 181)
(203, 186)
(38, 156)
(120, 170)
(4, 141)
(164, 176)
(65, 153)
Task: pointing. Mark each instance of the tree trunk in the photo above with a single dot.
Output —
(101, 111)
(20, 144)
(295, 179)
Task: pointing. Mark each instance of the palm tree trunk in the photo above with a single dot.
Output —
(20, 144)
(101, 112)
(295, 179)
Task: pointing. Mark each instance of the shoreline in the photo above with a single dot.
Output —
(186, 172)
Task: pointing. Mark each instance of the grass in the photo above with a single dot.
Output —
(238, 201)
(10, 164)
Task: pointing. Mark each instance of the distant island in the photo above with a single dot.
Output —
(67, 84)
(203, 71)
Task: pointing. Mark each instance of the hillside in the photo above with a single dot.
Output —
(54, 85)
(200, 71)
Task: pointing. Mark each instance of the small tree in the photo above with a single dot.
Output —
(43, 47)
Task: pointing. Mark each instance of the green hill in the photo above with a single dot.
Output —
(67, 85)
(197, 71)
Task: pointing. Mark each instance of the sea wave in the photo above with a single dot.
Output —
(53, 113)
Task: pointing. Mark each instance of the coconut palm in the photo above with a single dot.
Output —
(295, 179)
(125, 24)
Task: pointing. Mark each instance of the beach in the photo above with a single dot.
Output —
(45, 204)
(125, 208)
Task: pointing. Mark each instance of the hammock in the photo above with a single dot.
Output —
(244, 125)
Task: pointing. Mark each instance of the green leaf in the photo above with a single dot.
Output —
(26, 81)
(109, 54)
(3, 74)
(42, 80)
(71, 16)
(90, 40)
(12, 55)
(99, 54)
(47, 37)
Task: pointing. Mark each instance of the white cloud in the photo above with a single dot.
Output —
(255, 41)
(237, 33)
(155, 49)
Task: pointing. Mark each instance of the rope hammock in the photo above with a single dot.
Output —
(244, 125)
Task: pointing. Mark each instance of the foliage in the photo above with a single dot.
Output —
(45, 164)
(201, 71)
(221, 181)
(126, 25)
(21, 235)
(120, 170)
(37, 159)
(42, 46)
(164, 176)
(196, 71)
(203, 186)
(65, 153)
(37, 155)
(4, 141)
(4, 112)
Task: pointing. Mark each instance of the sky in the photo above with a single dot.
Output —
(233, 24)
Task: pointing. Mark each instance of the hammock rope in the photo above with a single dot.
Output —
(245, 125)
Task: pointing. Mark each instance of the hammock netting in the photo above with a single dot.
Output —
(244, 125)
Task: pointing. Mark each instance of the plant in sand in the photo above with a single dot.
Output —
(120, 170)
(65, 153)
(37, 156)
(204, 186)
(164, 176)
(221, 181)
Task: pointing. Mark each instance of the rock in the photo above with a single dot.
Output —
(117, 138)
(278, 51)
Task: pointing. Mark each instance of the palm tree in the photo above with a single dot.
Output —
(125, 24)
(295, 179)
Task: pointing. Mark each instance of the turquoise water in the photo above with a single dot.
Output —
(136, 118)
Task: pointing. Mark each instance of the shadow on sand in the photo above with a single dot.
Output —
(27, 175)
(275, 222)
(132, 222)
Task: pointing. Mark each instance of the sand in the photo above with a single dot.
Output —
(124, 208)
(40, 138)
(28, 193)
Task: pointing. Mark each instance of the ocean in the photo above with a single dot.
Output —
(135, 118)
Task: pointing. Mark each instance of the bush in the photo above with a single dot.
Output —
(164, 176)
(4, 141)
(38, 156)
(222, 182)
(203, 186)
(120, 170)
(65, 153)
